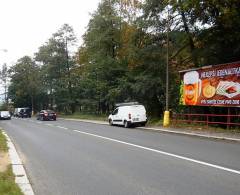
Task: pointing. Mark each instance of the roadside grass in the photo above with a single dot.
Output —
(3, 143)
(7, 178)
(204, 127)
(191, 126)
(7, 183)
(194, 126)
(154, 122)
(85, 116)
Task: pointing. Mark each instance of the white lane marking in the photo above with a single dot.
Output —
(162, 152)
(49, 124)
(61, 127)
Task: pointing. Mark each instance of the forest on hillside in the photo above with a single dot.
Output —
(124, 54)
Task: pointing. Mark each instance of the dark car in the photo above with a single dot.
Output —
(25, 113)
(46, 115)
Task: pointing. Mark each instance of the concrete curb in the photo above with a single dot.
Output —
(20, 174)
(164, 130)
(191, 134)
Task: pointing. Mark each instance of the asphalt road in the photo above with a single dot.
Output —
(72, 158)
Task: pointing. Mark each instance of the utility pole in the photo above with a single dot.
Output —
(167, 68)
(166, 119)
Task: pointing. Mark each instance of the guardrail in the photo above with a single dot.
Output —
(207, 119)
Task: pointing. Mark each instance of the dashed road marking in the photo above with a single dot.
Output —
(61, 127)
(49, 125)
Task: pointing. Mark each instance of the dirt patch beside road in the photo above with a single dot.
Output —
(4, 161)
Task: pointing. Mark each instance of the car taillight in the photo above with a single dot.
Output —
(129, 116)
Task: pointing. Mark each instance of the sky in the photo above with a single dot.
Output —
(25, 25)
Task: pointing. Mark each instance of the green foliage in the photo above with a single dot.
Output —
(124, 55)
(3, 78)
(7, 178)
(7, 183)
(25, 82)
(102, 63)
(4, 106)
(56, 69)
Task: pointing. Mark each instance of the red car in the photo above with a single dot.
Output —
(46, 115)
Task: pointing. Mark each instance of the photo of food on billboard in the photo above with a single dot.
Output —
(217, 85)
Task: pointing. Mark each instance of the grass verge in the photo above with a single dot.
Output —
(7, 178)
(3, 143)
(156, 122)
(211, 128)
(152, 122)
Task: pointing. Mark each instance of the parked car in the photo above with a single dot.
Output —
(16, 112)
(46, 115)
(5, 115)
(128, 114)
(25, 113)
(22, 112)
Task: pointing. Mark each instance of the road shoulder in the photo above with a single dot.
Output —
(18, 169)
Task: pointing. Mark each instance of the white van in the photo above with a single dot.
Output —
(128, 114)
(5, 115)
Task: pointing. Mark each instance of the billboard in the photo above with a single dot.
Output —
(217, 85)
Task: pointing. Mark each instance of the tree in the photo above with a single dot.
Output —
(124, 54)
(25, 83)
(4, 77)
(100, 54)
(220, 42)
(56, 68)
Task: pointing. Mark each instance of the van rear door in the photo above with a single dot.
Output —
(138, 113)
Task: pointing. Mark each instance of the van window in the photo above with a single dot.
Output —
(115, 111)
(138, 108)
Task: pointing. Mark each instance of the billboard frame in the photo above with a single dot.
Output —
(202, 99)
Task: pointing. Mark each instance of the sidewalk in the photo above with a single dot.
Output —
(181, 131)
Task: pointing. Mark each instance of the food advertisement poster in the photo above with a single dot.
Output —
(217, 85)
